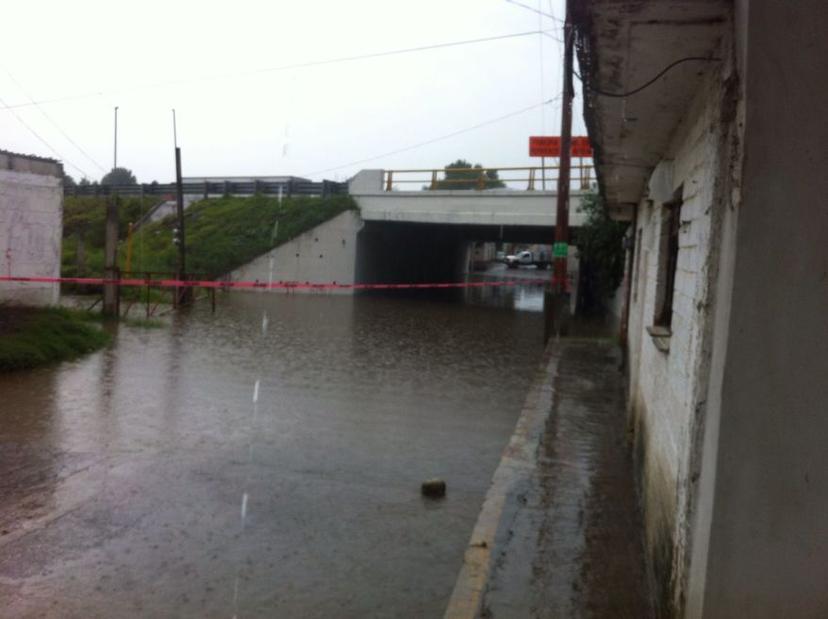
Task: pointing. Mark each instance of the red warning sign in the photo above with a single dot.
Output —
(550, 146)
(544, 146)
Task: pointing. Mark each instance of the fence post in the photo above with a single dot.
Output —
(389, 180)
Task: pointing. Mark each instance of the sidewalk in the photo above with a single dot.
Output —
(559, 534)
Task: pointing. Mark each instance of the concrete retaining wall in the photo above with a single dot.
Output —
(324, 254)
(31, 222)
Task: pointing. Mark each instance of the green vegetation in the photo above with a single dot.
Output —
(119, 176)
(601, 252)
(222, 234)
(35, 336)
(84, 218)
(461, 174)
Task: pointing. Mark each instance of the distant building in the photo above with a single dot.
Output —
(31, 222)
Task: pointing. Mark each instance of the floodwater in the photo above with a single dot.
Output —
(143, 480)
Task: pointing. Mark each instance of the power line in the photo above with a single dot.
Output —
(437, 139)
(43, 141)
(51, 120)
(648, 82)
(298, 65)
(534, 10)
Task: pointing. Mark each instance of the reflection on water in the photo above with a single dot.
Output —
(525, 298)
(123, 471)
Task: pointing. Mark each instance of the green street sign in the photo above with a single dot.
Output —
(560, 250)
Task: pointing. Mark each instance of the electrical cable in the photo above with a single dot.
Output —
(298, 65)
(648, 83)
(43, 141)
(437, 139)
(52, 121)
(534, 10)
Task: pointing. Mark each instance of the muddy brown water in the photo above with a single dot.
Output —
(124, 471)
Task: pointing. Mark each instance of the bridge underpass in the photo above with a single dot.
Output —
(427, 235)
(420, 236)
(392, 251)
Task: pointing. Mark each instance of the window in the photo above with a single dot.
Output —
(667, 261)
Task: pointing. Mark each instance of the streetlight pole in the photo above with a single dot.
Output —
(115, 156)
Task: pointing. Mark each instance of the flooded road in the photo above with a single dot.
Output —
(125, 472)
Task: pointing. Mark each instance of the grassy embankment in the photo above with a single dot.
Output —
(35, 336)
(222, 234)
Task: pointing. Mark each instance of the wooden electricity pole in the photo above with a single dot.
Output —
(556, 301)
(181, 295)
(111, 290)
(561, 247)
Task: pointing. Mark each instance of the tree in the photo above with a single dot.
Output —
(461, 174)
(68, 181)
(601, 253)
(119, 176)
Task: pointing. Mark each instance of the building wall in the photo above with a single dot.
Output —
(327, 253)
(768, 529)
(666, 405)
(31, 221)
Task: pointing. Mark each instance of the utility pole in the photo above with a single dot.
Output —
(556, 302)
(561, 246)
(180, 237)
(111, 288)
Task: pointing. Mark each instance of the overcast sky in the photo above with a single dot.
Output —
(212, 62)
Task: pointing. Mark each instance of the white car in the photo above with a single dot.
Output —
(521, 258)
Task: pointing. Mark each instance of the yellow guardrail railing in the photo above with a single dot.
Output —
(533, 177)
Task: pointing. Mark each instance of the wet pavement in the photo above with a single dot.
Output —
(569, 538)
(124, 473)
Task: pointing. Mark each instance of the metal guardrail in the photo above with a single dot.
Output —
(285, 188)
(533, 177)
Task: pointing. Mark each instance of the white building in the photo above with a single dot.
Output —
(31, 225)
(720, 166)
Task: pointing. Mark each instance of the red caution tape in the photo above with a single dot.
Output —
(280, 285)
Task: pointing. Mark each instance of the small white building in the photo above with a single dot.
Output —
(31, 225)
(719, 164)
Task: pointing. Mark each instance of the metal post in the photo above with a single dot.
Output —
(543, 173)
(115, 155)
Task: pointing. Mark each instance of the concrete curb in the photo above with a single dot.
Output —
(516, 465)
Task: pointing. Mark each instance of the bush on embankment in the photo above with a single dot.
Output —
(84, 217)
(222, 234)
(32, 336)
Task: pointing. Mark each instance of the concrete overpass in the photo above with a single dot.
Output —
(516, 211)
(416, 236)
